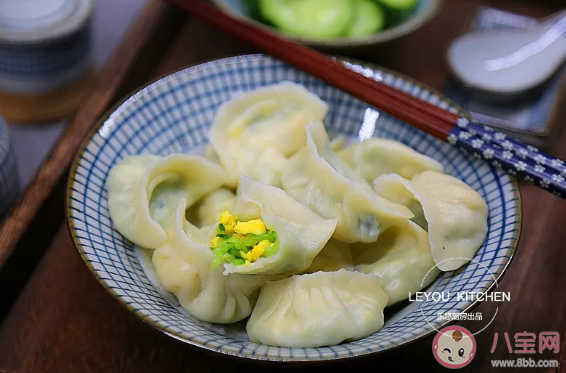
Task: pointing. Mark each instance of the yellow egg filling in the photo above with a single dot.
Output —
(242, 242)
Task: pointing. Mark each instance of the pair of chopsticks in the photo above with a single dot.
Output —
(502, 151)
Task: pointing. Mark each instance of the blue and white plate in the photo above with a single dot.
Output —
(174, 114)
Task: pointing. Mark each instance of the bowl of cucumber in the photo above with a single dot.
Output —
(335, 24)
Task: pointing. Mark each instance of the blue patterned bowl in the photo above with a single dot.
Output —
(9, 186)
(174, 115)
(425, 11)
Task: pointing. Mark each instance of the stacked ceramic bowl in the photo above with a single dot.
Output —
(8, 174)
(45, 65)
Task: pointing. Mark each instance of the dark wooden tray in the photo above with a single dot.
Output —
(56, 318)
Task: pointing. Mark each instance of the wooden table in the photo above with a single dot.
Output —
(59, 319)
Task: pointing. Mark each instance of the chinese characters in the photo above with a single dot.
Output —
(526, 343)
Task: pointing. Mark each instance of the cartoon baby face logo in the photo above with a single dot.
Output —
(454, 347)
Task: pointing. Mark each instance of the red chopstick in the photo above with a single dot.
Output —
(500, 150)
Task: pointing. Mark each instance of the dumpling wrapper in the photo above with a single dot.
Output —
(206, 211)
(334, 256)
(456, 214)
(302, 233)
(184, 267)
(320, 309)
(392, 188)
(268, 167)
(401, 258)
(145, 190)
(268, 117)
(319, 179)
(378, 156)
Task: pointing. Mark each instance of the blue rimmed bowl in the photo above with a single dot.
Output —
(9, 186)
(174, 114)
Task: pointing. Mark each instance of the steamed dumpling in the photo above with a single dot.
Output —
(319, 179)
(377, 156)
(334, 256)
(456, 214)
(389, 186)
(320, 309)
(210, 153)
(268, 167)
(269, 117)
(145, 190)
(401, 258)
(301, 233)
(184, 267)
(207, 210)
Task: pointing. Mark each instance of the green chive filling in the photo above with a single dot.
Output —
(232, 246)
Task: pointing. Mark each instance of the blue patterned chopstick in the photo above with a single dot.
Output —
(511, 155)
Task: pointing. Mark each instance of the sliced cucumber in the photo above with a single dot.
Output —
(317, 19)
(253, 8)
(397, 11)
(399, 4)
(368, 18)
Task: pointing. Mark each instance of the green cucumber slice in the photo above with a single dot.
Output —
(397, 11)
(317, 19)
(253, 9)
(368, 18)
(404, 5)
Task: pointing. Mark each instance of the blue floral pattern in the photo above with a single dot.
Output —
(511, 155)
